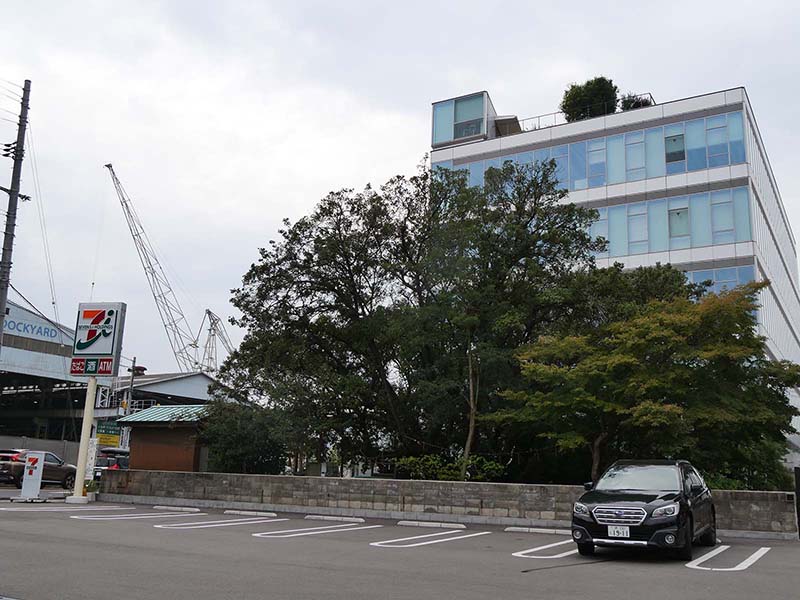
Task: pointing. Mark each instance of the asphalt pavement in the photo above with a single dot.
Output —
(100, 551)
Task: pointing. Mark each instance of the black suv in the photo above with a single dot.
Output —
(656, 503)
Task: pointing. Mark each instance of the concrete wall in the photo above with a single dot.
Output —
(488, 503)
(68, 451)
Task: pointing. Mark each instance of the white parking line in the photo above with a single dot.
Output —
(440, 540)
(527, 553)
(747, 562)
(67, 508)
(221, 523)
(290, 533)
(135, 516)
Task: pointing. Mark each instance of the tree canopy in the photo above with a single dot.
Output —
(593, 98)
(464, 331)
(680, 378)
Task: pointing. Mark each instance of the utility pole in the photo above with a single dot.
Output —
(17, 151)
(129, 405)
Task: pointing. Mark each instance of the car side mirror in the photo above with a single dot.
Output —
(588, 486)
(697, 489)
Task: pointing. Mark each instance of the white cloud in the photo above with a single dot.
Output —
(223, 118)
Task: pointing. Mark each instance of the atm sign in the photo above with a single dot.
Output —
(91, 366)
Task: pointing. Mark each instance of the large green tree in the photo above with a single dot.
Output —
(243, 438)
(386, 317)
(678, 378)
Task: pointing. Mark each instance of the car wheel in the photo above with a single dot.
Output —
(18, 483)
(709, 538)
(586, 549)
(686, 552)
(69, 482)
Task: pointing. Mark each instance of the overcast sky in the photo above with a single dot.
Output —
(222, 118)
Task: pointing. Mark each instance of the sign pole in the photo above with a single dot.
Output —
(83, 452)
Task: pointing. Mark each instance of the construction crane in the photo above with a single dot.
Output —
(185, 345)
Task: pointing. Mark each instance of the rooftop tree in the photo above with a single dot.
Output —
(593, 98)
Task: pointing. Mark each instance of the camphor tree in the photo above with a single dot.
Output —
(679, 378)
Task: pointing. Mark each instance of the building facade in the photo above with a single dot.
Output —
(686, 182)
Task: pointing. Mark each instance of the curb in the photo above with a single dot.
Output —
(439, 524)
(537, 530)
(334, 518)
(177, 509)
(250, 513)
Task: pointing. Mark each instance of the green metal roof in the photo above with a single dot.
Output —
(186, 413)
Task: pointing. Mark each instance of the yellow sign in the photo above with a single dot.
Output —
(105, 439)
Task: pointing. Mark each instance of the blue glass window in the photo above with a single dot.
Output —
(444, 164)
(717, 141)
(654, 152)
(696, 145)
(597, 165)
(476, 173)
(618, 230)
(468, 116)
(725, 279)
(524, 158)
(490, 163)
(443, 115)
(741, 214)
(703, 276)
(700, 220)
(542, 155)
(657, 226)
(599, 229)
(577, 166)
(722, 218)
(736, 138)
(559, 150)
(634, 156)
(746, 274)
(615, 159)
(679, 232)
(637, 228)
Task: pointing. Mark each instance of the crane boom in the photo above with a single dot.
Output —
(216, 329)
(184, 344)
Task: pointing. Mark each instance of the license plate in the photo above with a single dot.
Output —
(619, 531)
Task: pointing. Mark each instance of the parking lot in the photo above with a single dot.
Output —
(55, 550)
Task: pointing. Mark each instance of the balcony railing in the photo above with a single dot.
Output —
(596, 110)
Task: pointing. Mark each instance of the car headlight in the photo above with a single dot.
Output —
(670, 510)
(580, 509)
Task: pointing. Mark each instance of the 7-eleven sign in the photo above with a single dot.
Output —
(98, 339)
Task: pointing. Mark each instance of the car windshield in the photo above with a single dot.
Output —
(640, 477)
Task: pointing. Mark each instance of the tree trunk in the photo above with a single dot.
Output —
(473, 412)
(597, 450)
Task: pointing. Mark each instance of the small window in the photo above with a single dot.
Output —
(674, 148)
(52, 458)
(679, 222)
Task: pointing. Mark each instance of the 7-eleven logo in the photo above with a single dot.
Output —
(32, 462)
(100, 326)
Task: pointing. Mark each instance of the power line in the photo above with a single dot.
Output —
(58, 326)
(14, 83)
(43, 224)
(10, 91)
(14, 98)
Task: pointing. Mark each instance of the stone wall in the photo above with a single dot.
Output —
(464, 502)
